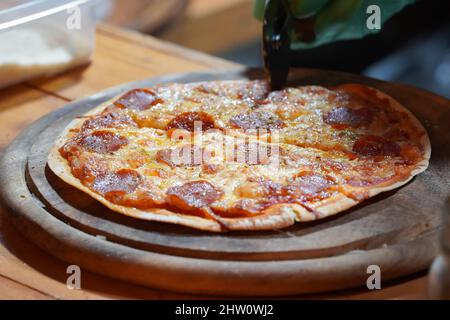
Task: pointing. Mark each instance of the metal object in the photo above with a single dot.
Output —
(439, 283)
(276, 42)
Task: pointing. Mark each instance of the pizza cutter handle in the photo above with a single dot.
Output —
(276, 42)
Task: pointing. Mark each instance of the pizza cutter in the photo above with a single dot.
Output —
(276, 42)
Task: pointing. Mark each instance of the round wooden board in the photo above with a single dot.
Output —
(396, 230)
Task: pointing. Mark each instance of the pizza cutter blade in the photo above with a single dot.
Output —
(276, 43)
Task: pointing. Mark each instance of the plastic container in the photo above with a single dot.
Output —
(44, 37)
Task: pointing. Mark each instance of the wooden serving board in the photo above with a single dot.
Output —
(396, 230)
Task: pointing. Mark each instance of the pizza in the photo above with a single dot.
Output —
(232, 155)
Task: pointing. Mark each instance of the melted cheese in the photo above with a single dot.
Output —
(305, 143)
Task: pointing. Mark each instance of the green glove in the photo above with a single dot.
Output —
(335, 19)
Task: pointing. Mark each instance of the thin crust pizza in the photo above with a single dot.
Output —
(231, 155)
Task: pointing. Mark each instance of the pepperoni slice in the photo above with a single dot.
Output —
(187, 155)
(344, 117)
(365, 182)
(396, 134)
(124, 181)
(306, 187)
(87, 168)
(102, 142)
(256, 120)
(376, 146)
(138, 99)
(190, 120)
(193, 195)
(112, 119)
(362, 95)
(310, 186)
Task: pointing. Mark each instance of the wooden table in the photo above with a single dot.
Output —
(197, 27)
(26, 272)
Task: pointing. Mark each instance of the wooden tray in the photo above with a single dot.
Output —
(396, 230)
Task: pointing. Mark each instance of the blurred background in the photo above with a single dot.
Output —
(413, 47)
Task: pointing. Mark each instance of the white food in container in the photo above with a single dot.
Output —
(44, 37)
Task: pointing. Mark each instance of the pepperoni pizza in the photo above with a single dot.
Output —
(231, 155)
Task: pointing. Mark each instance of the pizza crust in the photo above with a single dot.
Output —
(277, 216)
